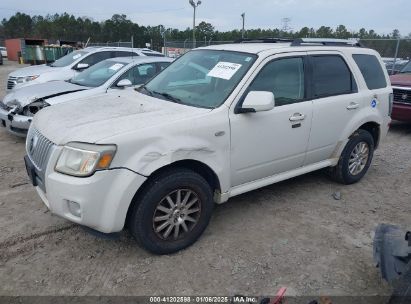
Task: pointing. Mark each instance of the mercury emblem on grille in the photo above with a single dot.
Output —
(404, 96)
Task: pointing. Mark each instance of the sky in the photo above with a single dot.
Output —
(381, 15)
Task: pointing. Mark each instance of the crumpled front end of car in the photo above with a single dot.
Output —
(17, 119)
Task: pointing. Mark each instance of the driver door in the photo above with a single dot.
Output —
(272, 142)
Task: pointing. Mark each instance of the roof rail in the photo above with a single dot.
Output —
(264, 40)
(326, 42)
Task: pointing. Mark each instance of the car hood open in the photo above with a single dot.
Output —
(34, 70)
(107, 115)
(27, 95)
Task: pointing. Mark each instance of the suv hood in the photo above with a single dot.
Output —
(106, 115)
(34, 70)
(403, 80)
(28, 94)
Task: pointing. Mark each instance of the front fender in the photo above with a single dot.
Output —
(205, 139)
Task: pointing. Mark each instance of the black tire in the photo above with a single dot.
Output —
(341, 173)
(141, 221)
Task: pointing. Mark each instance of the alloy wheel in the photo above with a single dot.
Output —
(358, 158)
(176, 214)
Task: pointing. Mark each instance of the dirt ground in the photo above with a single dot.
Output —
(292, 234)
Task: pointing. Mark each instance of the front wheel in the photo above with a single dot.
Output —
(172, 211)
(355, 159)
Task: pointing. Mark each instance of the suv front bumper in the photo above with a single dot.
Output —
(401, 112)
(14, 123)
(102, 199)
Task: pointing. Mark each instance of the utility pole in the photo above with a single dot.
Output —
(194, 5)
(163, 32)
(242, 32)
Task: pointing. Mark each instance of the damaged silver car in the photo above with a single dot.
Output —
(18, 108)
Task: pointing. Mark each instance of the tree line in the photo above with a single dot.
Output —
(120, 28)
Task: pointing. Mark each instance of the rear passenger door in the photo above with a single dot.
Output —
(335, 102)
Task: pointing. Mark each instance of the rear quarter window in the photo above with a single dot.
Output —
(371, 70)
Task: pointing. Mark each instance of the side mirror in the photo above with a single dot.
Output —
(124, 83)
(81, 66)
(257, 101)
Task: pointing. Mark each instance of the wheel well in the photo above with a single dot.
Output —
(205, 171)
(374, 130)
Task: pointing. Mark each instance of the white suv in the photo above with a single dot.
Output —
(218, 122)
(70, 65)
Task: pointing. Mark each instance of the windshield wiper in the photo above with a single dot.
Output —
(139, 89)
(76, 83)
(168, 97)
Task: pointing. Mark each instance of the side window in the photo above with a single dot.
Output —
(124, 54)
(96, 58)
(162, 65)
(139, 74)
(371, 70)
(283, 77)
(331, 76)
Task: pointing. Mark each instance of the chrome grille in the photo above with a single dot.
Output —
(38, 148)
(11, 82)
(401, 95)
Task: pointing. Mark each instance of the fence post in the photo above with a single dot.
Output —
(396, 56)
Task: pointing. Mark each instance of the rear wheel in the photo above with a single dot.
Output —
(355, 158)
(172, 211)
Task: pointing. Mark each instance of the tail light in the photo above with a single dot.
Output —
(390, 102)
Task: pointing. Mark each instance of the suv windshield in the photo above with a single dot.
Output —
(68, 59)
(407, 68)
(98, 73)
(201, 78)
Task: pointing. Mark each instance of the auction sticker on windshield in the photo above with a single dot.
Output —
(224, 70)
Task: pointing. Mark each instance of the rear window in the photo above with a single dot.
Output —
(371, 70)
(331, 76)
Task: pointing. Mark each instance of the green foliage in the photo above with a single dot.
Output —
(119, 28)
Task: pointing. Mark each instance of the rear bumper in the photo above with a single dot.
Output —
(401, 112)
(15, 124)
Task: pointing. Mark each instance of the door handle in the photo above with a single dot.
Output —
(353, 106)
(297, 117)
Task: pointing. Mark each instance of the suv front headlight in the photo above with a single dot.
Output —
(80, 159)
(26, 78)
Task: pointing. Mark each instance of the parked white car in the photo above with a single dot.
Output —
(19, 106)
(70, 65)
(3, 51)
(218, 122)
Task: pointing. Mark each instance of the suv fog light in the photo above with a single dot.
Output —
(74, 208)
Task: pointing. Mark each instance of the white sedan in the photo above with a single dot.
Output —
(18, 107)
